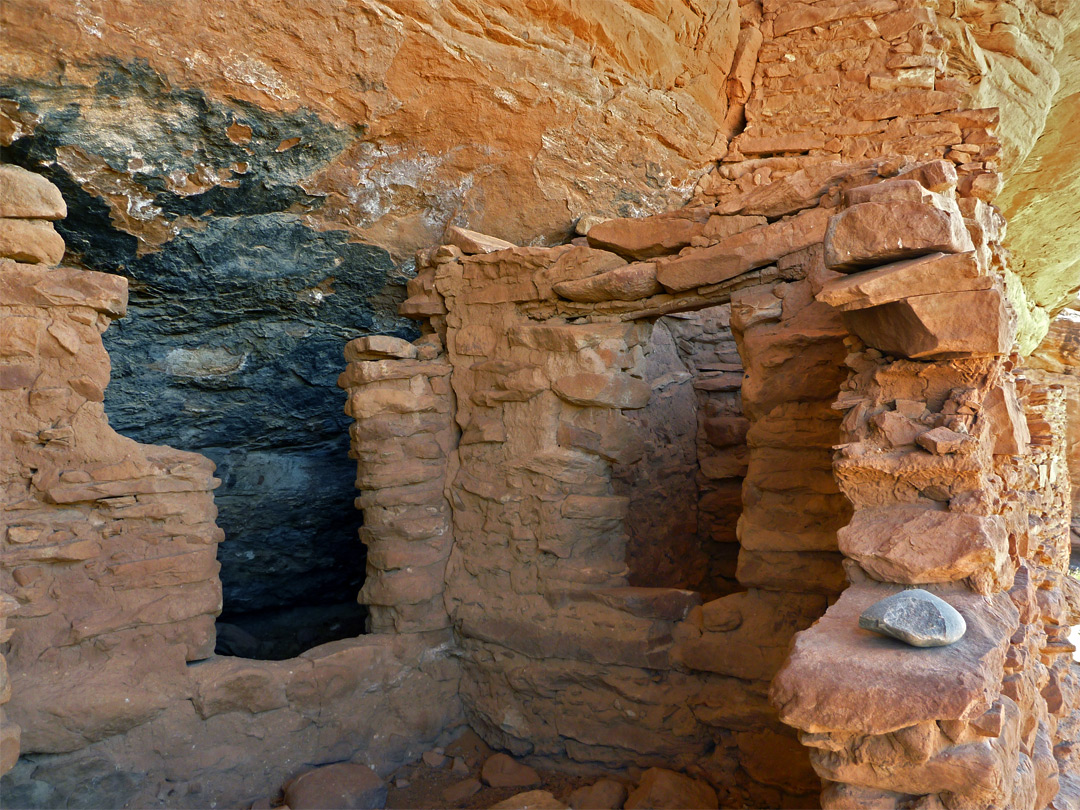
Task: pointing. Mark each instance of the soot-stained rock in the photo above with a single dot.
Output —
(238, 310)
(232, 347)
(916, 617)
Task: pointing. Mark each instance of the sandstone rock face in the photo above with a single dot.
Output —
(26, 195)
(926, 275)
(606, 794)
(887, 685)
(931, 325)
(1057, 359)
(661, 788)
(993, 51)
(277, 148)
(602, 489)
(873, 233)
(502, 771)
(886, 544)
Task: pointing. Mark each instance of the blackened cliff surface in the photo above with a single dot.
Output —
(239, 308)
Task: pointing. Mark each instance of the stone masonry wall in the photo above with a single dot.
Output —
(110, 588)
(551, 414)
(1057, 362)
(955, 491)
(524, 569)
(858, 152)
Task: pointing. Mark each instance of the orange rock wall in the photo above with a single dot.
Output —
(950, 494)
(514, 460)
(516, 118)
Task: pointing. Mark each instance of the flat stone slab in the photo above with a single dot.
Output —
(925, 275)
(909, 544)
(916, 617)
(840, 677)
(969, 322)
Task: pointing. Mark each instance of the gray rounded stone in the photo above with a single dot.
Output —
(915, 617)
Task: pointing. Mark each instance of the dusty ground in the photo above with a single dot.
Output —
(425, 785)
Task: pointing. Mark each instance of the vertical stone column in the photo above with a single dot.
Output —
(949, 495)
(402, 437)
(708, 349)
(1056, 361)
(10, 733)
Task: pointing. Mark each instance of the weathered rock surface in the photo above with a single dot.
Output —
(648, 238)
(887, 543)
(472, 242)
(530, 800)
(666, 790)
(30, 241)
(1039, 198)
(606, 794)
(916, 617)
(110, 561)
(537, 451)
(343, 786)
(742, 252)
(929, 325)
(256, 159)
(872, 233)
(630, 283)
(540, 79)
(501, 770)
(27, 195)
(935, 273)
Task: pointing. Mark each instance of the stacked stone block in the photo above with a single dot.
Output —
(10, 733)
(709, 352)
(1056, 361)
(403, 434)
(571, 434)
(109, 546)
(951, 493)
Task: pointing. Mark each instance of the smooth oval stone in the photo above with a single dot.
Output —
(916, 617)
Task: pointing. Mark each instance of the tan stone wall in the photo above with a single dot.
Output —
(954, 491)
(856, 154)
(1057, 362)
(568, 432)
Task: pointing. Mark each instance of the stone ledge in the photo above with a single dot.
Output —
(840, 677)
(37, 286)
